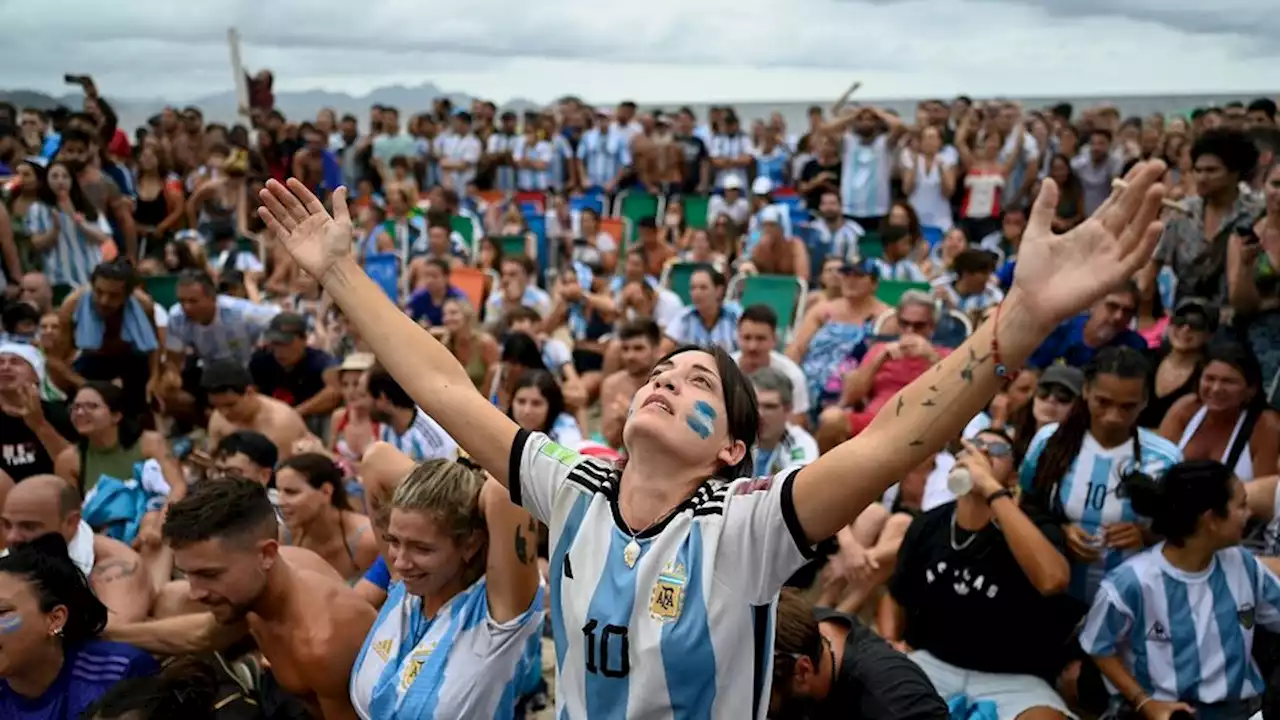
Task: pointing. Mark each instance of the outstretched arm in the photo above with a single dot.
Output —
(321, 245)
(1056, 277)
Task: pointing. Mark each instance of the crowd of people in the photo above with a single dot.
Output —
(602, 412)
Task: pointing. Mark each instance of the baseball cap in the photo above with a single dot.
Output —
(30, 353)
(770, 214)
(1198, 306)
(761, 186)
(358, 361)
(286, 327)
(1069, 377)
(733, 182)
(863, 266)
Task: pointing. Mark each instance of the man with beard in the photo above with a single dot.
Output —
(638, 340)
(403, 425)
(1077, 340)
(870, 134)
(308, 625)
(80, 153)
(109, 330)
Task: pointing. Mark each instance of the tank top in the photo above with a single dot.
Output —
(1237, 445)
(116, 462)
(151, 212)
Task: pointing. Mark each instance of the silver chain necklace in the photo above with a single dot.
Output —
(955, 545)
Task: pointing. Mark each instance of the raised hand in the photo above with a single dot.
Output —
(1060, 275)
(314, 238)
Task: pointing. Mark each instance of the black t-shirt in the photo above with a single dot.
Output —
(974, 607)
(295, 385)
(21, 453)
(813, 169)
(876, 682)
(695, 151)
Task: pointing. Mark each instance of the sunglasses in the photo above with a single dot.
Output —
(920, 328)
(994, 448)
(1191, 322)
(1059, 393)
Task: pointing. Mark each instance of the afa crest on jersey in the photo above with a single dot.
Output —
(667, 599)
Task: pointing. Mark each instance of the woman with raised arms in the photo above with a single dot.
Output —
(664, 573)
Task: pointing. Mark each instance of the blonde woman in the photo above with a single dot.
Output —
(458, 634)
(476, 350)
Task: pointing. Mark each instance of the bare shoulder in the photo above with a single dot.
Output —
(1268, 424)
(113, 560)
(308, 563)
(612, 383)
(1183, 408)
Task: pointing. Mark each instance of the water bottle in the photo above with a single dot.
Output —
(959, 481)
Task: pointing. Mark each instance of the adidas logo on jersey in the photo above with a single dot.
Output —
(1158, 633)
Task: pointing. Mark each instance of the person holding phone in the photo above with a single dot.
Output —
(1253, 280)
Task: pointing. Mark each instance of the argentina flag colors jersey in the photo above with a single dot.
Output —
(1186, 636)
(685, 630)
(1088, 493)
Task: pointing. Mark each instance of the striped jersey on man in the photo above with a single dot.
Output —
(423, 440)
(681, 626)
(1186, 636)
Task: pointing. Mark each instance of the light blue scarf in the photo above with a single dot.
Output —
(135, 330)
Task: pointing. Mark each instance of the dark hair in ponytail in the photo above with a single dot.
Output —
(1063, 447)
(1184, 493)
(55, 580)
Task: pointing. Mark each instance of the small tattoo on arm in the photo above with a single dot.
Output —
(915, 443)
(928, 403)
(901, 402)
(522, 548)
(112, 570)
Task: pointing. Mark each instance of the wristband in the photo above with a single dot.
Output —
(1138, 708)
(1002, 492)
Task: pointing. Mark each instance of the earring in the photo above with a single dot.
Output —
(57, 632)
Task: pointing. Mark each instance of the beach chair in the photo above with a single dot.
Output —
(870, 245)
(471, 282)
(676, 276)
(889, 291)
(163, 289)
(384, 269)
(784, 294)
(695, 210)
(463, 225)
(635, 206)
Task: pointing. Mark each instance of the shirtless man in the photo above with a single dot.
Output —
(48, 504)
(238, 406)
(638, 341)
(309, 625)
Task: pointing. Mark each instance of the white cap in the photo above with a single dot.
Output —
(761, 186)
(733, 182)
(770, 214)
(30, 353)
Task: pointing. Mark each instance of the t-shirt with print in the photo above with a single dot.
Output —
(294, 385)
(813, 169)
(695, 153)
(968, 602)
(876, 682)
(21, 453)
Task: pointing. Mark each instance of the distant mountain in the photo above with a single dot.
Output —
(221, 107)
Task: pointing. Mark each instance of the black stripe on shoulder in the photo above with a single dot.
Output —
(514, 463)
(791, 519)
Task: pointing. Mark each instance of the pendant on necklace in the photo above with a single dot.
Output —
(631, 553)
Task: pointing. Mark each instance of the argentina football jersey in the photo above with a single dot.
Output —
(675, 621)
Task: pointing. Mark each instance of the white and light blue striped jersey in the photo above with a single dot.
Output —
(561, 155)
(459, 664)
(465, 148)
(773, 165)
(865, 175)
(1088, 492)
(73, 256)
(974, 304)
(504, 175)
(841, 242)
(731, 147)
(534, 297)
(687, 630)
(689, 329)
(423, 440)
(1186, 636)
(904, 270)
(537, 151)
(233, 335)
(603, 155)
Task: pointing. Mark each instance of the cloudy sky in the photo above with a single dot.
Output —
(652, 50)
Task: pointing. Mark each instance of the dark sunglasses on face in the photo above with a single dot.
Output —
(1191, 322)
(1059, 393)
(993, 448)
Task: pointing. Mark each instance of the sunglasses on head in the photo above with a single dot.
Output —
(993, 448)
(1059, 393)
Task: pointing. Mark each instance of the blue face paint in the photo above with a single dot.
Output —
(702, 419)
(10, 623)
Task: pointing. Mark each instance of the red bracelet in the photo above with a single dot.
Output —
(1002, 371)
